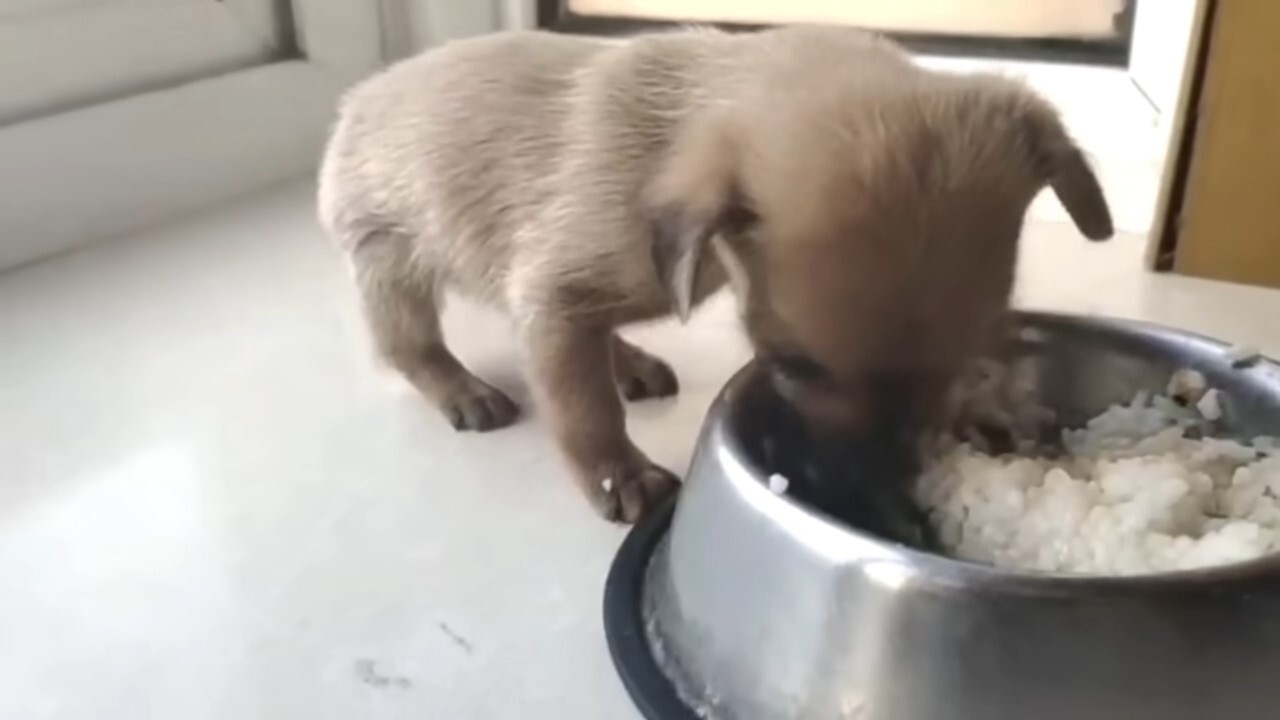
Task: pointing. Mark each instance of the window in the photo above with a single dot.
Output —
(116, 115)
(1097, 26)
(58, 55)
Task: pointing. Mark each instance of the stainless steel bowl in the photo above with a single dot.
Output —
(762, 608)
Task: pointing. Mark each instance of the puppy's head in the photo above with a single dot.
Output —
(871, 238)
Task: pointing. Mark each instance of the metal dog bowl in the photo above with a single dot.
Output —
(746, 605)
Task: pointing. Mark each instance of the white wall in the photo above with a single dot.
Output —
(1161, 37)
(432, 22)
(117, 167)
(519, 13)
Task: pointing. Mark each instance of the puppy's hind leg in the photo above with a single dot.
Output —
(401, 304)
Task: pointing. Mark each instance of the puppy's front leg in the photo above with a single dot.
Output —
(573, 377)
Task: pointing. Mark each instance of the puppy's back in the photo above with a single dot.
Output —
(452, 130)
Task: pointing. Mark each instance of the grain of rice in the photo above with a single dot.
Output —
(1187, 386)
(1210, 405)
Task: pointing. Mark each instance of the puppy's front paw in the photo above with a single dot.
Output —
(631, 490)
(476, 405)
(642, 376)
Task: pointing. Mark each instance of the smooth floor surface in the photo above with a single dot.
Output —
(215, 504)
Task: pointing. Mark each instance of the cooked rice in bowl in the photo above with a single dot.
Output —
(1139, 489)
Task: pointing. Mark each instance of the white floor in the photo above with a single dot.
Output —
(216, 506)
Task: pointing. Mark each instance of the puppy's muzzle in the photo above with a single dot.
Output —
(863, 472)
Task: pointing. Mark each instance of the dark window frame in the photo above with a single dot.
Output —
(555, 15)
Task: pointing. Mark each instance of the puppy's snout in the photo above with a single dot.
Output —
(887, 446)
(887, 457)
(867, 469)
(891, 397)
(874, 426)
(890, 407)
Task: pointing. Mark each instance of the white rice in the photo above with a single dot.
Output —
(1135, 492)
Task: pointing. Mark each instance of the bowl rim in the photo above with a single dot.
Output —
(650, 688)
(942, 571)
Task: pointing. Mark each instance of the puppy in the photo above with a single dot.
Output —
(865, 212)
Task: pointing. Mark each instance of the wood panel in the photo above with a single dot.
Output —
(1230, 218)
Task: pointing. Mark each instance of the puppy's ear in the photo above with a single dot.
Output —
(691, 201)
(1066, 170)
(679, 244)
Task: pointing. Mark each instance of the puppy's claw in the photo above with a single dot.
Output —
(479, 407)
(608, 503)
(628, 495)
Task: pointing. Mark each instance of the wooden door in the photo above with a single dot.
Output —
(1228, 224)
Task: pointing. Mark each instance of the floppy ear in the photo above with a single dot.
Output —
(691, 200)
(1067, 171)
(680, 242)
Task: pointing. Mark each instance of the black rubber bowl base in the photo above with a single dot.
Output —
(624, 621)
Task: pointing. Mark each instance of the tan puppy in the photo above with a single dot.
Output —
(865, 211)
